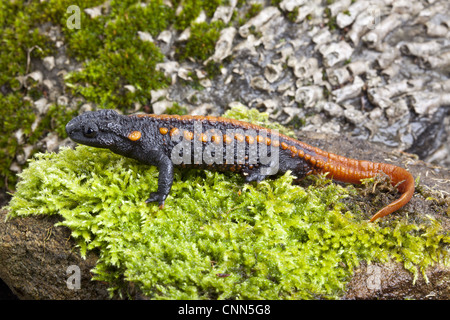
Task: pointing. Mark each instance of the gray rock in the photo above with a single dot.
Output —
(49, 63)
(259, 20)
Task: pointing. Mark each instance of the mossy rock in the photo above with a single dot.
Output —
(101, 53)
(218, 238)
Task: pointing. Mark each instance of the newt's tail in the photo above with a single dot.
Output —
(352, 171)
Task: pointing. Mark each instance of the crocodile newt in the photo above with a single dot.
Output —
(216, 143)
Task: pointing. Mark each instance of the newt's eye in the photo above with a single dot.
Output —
(90, 131)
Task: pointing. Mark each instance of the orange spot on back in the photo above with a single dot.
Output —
(227, 139)
(301, 153)
(188, 135)
(319, 163)
(239, 137)
(216, 139)
(135, 135)
(259, 139)
(203, 137)
(174, 131)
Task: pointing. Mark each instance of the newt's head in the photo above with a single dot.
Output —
(100, 129)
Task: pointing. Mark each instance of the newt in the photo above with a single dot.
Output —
(217, 143)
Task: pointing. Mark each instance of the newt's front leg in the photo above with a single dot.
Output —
(165, 180)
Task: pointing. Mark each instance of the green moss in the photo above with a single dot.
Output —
(212, 69)
(241, 112)
(296, 122)
(109, 45)
(253, 10)
(14, 116)
(332, 24)
(108, 48)
(190, 10)
(275, 2)
(201, 43)
(20, 41)
(19, 35)
(292, 16)
(210, 6)
(176, 108)
(216, 238)
(103, 79)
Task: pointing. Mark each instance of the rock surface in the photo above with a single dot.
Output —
(35, 255)
(36, 258)
(384, 63)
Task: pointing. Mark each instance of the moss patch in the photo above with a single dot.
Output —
(201, 43)
(217, 238)
(241, 112)
(117, 57)
(117, 66)
(21, 42)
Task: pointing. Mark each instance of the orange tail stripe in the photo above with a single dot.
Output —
(352, 171)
